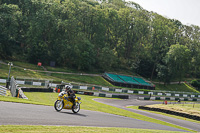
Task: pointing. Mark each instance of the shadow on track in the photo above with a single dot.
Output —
(77, 114)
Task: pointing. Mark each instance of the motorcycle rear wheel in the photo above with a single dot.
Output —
(58, 105)
(76, 107)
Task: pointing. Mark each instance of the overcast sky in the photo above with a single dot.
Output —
(186, 11)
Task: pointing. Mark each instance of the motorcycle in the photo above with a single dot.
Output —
(64, 102)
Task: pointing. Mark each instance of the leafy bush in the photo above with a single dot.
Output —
(195, 83)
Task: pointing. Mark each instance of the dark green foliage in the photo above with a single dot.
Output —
(146, 66)
(9, 17)
(195, 83)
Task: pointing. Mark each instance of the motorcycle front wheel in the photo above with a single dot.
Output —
(76, 107)
(58, 105)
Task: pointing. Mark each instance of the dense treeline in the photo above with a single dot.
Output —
(105, 35)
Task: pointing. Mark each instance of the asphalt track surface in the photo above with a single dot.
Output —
(124, 103)
(29, 114)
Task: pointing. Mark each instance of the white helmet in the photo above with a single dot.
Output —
(68, 87)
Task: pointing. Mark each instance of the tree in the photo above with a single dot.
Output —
(9, 25)
(106, 59)
(177, 60)
(162, 33)
(83, 53)
(164, 74)
(194, 46)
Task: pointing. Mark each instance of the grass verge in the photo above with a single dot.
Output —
(97, 80)
(59, 129)
(175, 87)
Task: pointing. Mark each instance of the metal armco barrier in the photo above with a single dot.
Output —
(3, 90)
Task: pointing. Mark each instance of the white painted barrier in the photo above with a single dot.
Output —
(162, 98)
(130, 91)
(83, 87)
(52, 85)
(141, 92)
(182, 99)
(37, 83)
(172, 98)
(190, 99)
(176, 95)
(3, 90)
(96, 94)
(150, 93)
(185, 95)
(108, 95)
(153, 98)
(118, 90)
(141, 98)
(20, 82)
(2, 80)
(105, 89)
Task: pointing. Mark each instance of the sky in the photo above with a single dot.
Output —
(186, 11)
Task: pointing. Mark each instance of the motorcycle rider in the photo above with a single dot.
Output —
(71, 94)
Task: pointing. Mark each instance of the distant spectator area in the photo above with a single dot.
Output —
(128, 81)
